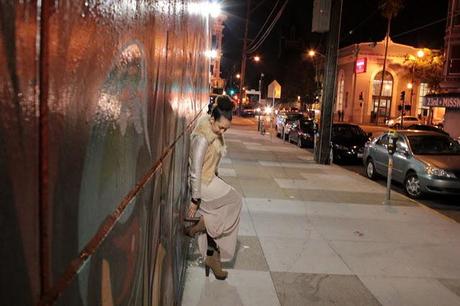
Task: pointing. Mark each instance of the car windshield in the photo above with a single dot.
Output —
(350, 131)
(306, 124)
(293, 117)
(433, 145)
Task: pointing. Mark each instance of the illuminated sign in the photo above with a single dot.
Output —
(442, 100)
(361, 65)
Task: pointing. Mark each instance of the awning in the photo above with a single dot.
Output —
(447, 100)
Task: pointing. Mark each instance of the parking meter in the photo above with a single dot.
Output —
(391, 147)
(392, 138)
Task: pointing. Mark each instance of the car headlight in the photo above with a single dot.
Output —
(439, 172)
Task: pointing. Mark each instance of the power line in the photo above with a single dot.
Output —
(256, 45)
(266, 20)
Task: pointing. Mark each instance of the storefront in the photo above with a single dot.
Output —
(362, 97)
(450, 102)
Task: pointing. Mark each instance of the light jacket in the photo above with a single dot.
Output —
(206, 150)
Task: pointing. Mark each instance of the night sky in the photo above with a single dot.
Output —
(283, 52)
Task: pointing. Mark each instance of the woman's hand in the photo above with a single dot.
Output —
(192, 210)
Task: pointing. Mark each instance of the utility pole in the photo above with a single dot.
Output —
(244, 53)
(324, 143)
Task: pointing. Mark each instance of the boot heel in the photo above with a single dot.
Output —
(207, 271)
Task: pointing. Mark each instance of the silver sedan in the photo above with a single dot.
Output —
(425, 162)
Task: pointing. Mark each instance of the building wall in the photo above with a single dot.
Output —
(96, 105)
(359, 110)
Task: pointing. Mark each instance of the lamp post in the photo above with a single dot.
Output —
(313, 54)
(420, 54)
(260, 97)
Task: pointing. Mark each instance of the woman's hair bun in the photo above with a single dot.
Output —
(224, 103)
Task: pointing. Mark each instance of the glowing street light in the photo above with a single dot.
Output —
(205, 8)
(311, 53)
(211, 53)
(410, 85)
(420, 53)
(238, 76)
(256, 58)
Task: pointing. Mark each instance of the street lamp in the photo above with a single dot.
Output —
(410, 85)
(420, 53)
(238, 75)
(313, 53)
(256, 58)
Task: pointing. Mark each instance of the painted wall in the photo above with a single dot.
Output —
(93, 95)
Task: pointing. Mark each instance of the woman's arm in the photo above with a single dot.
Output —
(198, 149)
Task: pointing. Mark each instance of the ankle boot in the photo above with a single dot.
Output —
(197, 228)
(213, 262)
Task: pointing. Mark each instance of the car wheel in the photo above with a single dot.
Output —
(370, 169)
(299, 142)
(412, 186)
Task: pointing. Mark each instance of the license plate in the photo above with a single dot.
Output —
(360, 155)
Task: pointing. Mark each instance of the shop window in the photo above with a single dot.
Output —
(454, 60)
(340, 91)
(383, 107)
(423, 91)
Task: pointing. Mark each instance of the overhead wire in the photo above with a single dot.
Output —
(266, 20)
(257, 44)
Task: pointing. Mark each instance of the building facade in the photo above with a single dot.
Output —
(360, 98)
(450, 99)
(217, 83)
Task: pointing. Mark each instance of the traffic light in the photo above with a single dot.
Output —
(403, 95)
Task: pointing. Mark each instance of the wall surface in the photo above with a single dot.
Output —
(96, 98)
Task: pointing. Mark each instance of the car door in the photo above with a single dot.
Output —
(380, 154)
(400, 159)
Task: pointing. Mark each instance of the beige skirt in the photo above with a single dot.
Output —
(221, 208)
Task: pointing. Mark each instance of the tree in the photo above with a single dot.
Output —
(426, 69)
(389, 10)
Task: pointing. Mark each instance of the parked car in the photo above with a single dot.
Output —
(347, 142)
(284, 122)
(302, 132)
(407, 121)
(248, 111)
(424, 161)
(426, 127)
(438, 123)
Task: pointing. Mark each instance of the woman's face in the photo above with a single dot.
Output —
(220, 126)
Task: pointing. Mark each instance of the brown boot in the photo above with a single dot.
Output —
(213, 262)
(197, 228)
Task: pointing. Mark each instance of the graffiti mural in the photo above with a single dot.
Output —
(97, 103)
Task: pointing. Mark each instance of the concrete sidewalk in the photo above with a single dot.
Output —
(320, 235)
